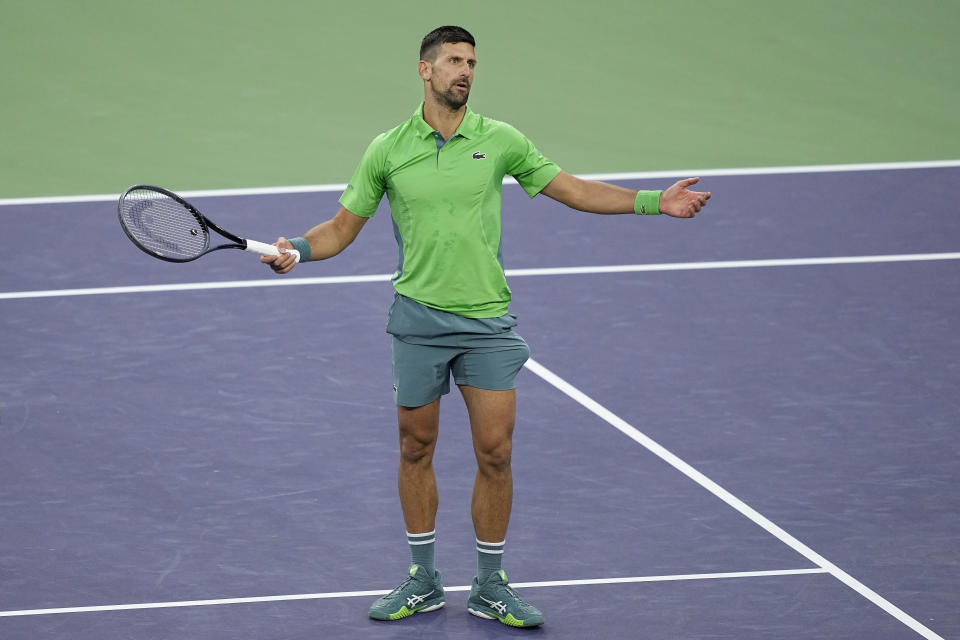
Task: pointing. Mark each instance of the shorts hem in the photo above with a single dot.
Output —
(418, 402)
(486, 386)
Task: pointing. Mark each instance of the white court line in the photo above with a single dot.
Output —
(711, 486)
(546, 271)
(635, 175)
(355, 594)
(194, 286)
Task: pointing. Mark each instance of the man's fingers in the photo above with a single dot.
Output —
(284, 262)
(680, 202)
(281, 263)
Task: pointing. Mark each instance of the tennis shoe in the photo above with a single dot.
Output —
(495, 599)
(418, 593)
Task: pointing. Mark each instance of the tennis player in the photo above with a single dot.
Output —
(442, 171)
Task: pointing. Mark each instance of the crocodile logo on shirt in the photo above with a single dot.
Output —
(479, 156)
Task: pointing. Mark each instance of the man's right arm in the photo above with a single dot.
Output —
(326, 240)
(358, 203)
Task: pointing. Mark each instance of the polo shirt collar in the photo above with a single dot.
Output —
(467, 129)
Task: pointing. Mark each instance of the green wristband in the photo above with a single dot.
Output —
(300, 244)
(647, 203)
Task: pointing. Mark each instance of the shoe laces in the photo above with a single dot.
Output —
(513, 594)
(520, 603)
(403, 584)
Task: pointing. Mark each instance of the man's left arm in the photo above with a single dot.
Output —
(600, 197)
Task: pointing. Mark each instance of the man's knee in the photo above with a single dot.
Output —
(415, 449)
(418, 432)
(494, 457)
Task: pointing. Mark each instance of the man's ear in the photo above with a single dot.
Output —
(424, 68)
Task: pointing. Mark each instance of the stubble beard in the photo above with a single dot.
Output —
(450, 98)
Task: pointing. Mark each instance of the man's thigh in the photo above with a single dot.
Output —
(492, 416)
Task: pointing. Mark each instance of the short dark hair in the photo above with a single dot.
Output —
(432, 41)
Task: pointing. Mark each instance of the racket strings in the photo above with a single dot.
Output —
(162, 225)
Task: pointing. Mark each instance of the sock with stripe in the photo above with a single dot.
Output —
(489, 558)
(422, 549)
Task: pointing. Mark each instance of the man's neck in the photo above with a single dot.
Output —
(441, 118)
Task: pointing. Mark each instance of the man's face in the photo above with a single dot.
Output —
(450, 75)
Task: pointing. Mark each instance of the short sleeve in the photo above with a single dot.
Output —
(527, 165)
(368, 184)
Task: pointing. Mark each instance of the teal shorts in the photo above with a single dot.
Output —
(428, 345)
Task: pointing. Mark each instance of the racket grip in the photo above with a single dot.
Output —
(264, 249)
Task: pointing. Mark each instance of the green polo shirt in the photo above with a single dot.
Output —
(445, 203)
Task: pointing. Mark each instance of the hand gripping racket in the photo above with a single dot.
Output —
(168, 227)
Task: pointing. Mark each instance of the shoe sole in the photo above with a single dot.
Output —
(406, 613)
(510, 621)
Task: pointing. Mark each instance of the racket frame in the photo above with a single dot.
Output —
(206, 225)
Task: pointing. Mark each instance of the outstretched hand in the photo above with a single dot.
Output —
(680, 202)
(284, 262)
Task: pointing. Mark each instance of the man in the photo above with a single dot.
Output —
(442, 171)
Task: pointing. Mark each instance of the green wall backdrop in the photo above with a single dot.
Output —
(215, 94)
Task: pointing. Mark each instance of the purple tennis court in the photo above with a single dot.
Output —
(739, 426)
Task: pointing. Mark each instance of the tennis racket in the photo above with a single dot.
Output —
(168, 227)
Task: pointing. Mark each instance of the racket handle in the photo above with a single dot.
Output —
(264, 249)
